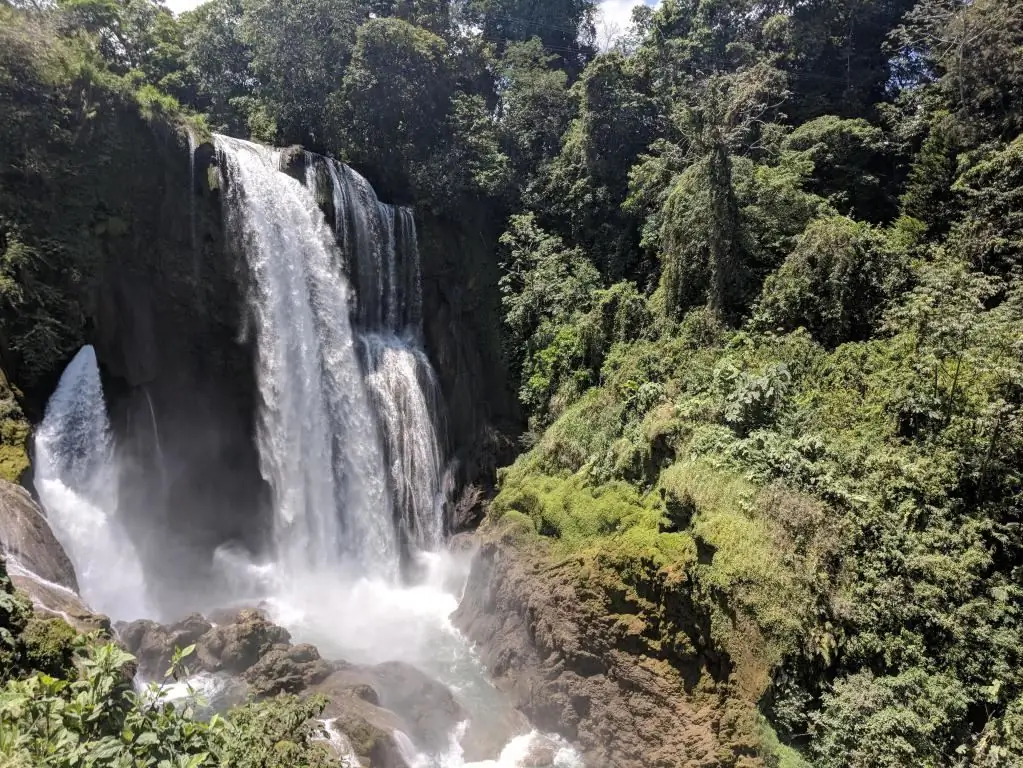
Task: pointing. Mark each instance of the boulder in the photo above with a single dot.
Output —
(236, 646)
(28, 541)
(287, 670)
(50, 599)
(427, 709)
(154, 644)
(354, 711)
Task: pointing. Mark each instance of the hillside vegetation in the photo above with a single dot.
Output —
(761, 278)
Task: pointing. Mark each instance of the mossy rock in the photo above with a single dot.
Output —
(49, 646)
(374, 746)
(14, 434)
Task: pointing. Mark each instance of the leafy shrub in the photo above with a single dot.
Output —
(834, 284)
(49, 646)
(99, 720)
(888, 722)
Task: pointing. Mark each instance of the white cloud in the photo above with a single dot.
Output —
(180, 6)
(615, 18)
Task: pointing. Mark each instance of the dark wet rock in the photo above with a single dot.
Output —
(366, 693)
(288, 670)
(154, 644)
(233, 647)
(354, 708)
(239, 645)
(427, 709)
(26, 538)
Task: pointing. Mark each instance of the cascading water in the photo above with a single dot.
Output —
(318, 439)
(383, 257)
(76, 478)
(348, 423)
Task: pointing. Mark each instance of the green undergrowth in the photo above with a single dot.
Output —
(14, 434)
(827, 511)
(68, 700)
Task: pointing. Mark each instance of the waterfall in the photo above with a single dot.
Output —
(382, 252)
(76, 478)
(345, 426)
(193, 145)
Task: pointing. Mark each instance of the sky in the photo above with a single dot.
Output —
(616, 13)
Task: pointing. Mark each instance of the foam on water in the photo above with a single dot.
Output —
(519, 753)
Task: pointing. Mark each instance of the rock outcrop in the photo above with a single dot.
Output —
(560, 649)
(26, 538)
(38, 565)
(369, 704)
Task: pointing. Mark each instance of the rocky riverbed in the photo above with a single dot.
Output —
(564, 658)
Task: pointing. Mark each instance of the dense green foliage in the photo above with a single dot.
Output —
(69, 701)
(761, 282)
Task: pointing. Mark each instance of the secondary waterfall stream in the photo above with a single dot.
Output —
(76, 478)
(349, 428)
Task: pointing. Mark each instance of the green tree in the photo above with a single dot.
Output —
(973, 51)
(850, 165)
(390, 112)
(535, 106)
(300, 51)
(835, 283)
(565, 26)
(218, 58)
(887, 722)
(581, 192)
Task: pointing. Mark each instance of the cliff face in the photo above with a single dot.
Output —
(462, 321)
(564, 639)
(168, 330)
(114, 236)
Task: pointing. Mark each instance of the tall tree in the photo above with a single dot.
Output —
(565, 26)
(300, 50)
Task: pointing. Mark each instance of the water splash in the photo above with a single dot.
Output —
(526, 750)
(76, 478)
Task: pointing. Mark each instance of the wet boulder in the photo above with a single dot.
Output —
(237, 646)
(287, 670)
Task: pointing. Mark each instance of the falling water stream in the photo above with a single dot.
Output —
(76, 478)
(348, 427)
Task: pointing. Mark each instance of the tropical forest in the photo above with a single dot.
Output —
(511, 383)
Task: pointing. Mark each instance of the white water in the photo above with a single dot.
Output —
(348, 425)
(76, 478)
(381, 252)
(318, 440)
(514, 755)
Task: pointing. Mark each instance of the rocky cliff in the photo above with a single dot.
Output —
(565, 640)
